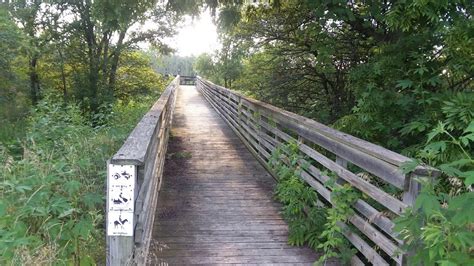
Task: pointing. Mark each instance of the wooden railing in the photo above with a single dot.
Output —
(144, 154)
(187, 80)
(365, 166)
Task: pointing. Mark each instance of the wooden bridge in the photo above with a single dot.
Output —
(202, 187)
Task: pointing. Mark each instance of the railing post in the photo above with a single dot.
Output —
(412, 189)
(343, 163)
(239, 111)
(411, 192)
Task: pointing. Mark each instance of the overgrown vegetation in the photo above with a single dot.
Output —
(52, 195)
(310, 221)
(439, 226)
(336, 245)
(300, 209)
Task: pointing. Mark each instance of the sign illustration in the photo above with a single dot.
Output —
(120, 224)
(121, 175)
(121, 199)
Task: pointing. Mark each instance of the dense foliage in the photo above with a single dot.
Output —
(439, 226)
(73, 84)
(52, 195)
(396, 73)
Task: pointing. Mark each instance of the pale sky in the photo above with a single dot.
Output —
(196, 36)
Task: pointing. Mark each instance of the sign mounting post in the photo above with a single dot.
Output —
(120, 199)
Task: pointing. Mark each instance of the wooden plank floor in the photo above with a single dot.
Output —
(215, 205)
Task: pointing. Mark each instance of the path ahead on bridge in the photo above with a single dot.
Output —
(215, 203)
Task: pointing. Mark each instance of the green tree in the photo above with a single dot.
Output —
(14, 95)
(205, 66)
(28, 15)
(173, 64)
(229, 62)
(136, 77)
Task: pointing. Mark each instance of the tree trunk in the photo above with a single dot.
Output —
(115, 63)
(105, 54)
(63, 75)
(34, 80)
(93, 84)
(93, 53)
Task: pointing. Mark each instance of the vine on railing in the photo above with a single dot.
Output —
(304, 210)
(343, 197)
(299, 201)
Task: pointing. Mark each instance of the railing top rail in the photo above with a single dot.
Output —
(338, 137)
(136, 147)
(187, 77)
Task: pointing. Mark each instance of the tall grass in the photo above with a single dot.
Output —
(52, 195)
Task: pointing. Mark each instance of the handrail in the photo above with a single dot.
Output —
(264, 127)
(143, 151)
(187, 80)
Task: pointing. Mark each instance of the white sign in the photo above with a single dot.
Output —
(120, 223)
(121, 199)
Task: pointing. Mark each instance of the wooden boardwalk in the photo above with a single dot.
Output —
(215, 205)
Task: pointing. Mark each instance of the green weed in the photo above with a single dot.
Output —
(52, 197)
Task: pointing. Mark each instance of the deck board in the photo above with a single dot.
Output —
(215, 205)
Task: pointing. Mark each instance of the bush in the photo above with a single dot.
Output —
(440, 224)
(52, 198)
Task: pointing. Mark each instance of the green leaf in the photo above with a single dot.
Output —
(466, 238)
(447, 263)
(92, 199)
(82, 228)
(466, 139)
(439, 129)
(413, 128)
(427, 202)
(469, 178)
(470, 128)
(439, 146)
(449, 170)
(23, 188)
(66, 213)
(459, 163)
(409, 166)
(404, 83)
(72, 186)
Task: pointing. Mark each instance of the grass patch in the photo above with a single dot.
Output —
(52, 198)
